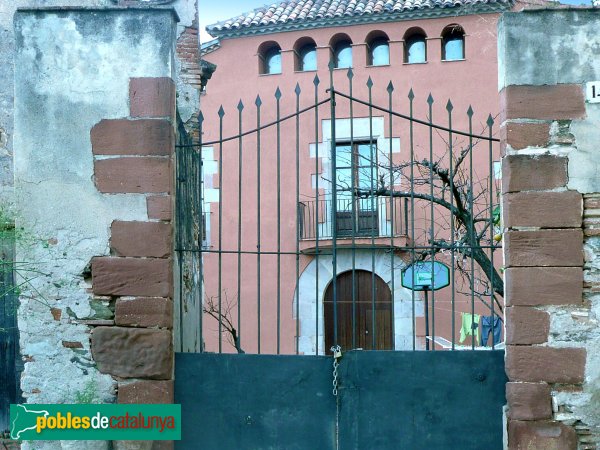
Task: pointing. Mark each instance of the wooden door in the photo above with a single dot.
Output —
(373, 327)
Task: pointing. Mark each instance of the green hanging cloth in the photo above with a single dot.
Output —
(469, 327)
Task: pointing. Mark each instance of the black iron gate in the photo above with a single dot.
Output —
(294, 238)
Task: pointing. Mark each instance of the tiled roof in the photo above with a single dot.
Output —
(311, 13)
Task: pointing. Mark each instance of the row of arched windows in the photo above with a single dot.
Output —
(378, 50)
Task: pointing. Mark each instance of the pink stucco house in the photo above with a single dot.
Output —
(280, 301)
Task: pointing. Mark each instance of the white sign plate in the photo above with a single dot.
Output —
(592, 92)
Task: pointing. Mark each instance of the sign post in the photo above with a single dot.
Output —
(426, 276)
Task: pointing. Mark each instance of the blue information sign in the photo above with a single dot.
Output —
(426, 276)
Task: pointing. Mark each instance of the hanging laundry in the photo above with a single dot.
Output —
(469, 327)
(491, 324)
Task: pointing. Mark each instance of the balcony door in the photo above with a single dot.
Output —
(356, 165)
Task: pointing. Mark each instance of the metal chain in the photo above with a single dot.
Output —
(337, 354)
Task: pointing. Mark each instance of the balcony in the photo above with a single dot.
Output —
(361, 223)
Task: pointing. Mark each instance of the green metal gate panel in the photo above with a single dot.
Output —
(387, 400)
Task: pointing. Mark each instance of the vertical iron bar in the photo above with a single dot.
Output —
(317, 175)
(490, 123)
(221, 114)
(278, 114)
(372, 162)
(432, 231)
(449, 108)
(239, 259)
(203, 224)
(334, 205)
(390, 90)
(472, 223)
(258, 104)
(297, 91)
(411, 97)
(180, 225)
(353, 205)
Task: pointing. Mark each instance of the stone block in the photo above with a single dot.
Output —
(146, 391)
(522, 135)
(541, 436)
(132, 277)
(152, 97)
(143, 239)
(144, 312)
(533, 173)
(159, 207)
(147, 137)
(559, 248)
(526, 325)
(133, 175)
(537, 286)
(550, 102)
(552, 365)
(133, 352)
(529, 401)
(542, 209)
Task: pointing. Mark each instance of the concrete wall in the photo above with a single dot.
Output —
(186, 63)
(94, 135)
(551, 206)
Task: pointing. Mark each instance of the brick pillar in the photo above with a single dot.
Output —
(543, 258)
(133, 156)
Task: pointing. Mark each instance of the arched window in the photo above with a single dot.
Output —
(453, 43)
(378, 49)
(415, 46)
(341, 45)
(269, 54)
(306, 54)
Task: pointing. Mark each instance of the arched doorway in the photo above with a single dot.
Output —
(370, 313)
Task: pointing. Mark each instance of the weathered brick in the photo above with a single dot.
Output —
(522, 135)
(131, 276)
(146, 391)
(537, 286)
(533, 173)
(159, 207)
(552, 365)
(559, 248)
(133, 175)
(555, 102)
(526, 325)
(150, 137)
(149, 239)
(133, 352)
(152, 97)
(144, 312)
(72, 344)
(529, 401)
(542, 209)
(541, 436)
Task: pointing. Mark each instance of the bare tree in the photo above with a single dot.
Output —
(223, 315)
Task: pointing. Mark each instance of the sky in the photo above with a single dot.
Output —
(212, 11)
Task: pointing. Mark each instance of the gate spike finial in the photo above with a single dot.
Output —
(240, 106)
(278, 93)
(411, 94)
(200, 117)
(490, 121)
(331, 65)
(297, 90)
(258, 101)
(449, 106)
(390, 87)
(221, 112)
(369, 83)
(470, 111)
(316, 81)
(430, 99)
(350, 73)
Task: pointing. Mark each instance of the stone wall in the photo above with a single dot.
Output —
(551, 211)
(94, 139)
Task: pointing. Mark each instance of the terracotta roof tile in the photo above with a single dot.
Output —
(298, 11)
